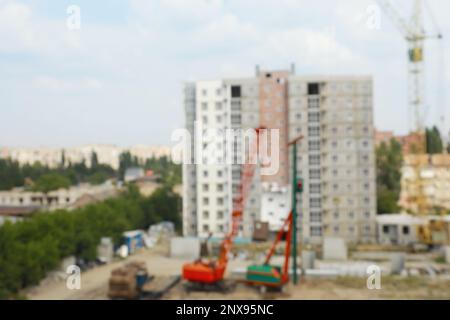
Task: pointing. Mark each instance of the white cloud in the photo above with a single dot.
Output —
(16, 32)
(166, 42)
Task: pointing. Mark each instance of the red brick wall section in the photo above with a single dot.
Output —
(273, 106)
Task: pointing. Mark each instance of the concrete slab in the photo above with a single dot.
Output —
(447, 253)
(398, 262)
(186, 248)
(334, 249)
(308, 259)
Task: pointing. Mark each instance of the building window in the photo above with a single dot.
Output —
(204, 106)
(205, 228)
(385, 229)
(235, 91)
(205, 201)
(314, 188)
(315, 202)
(314, 131)
(314, 160)
(314, 174)
(336, 229)
(220, 187)
(205, 187)
(220, 201)
(314, 145)
(219, 174)
(220, 215)
(204, 92)
(316, 231)
(205, 174)
(313, 89)
(314, 117)
(205, 214)
(236, 119)
(220, 227)
(316, 217)
(405, 230)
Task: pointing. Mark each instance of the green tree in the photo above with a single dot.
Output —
(389, 160)
(50, 182)
(31, 248)
(63, 158)
(94, 160)
(126, 160)
(10, 174)
(434, 141)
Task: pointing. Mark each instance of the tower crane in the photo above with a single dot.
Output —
(413, 31)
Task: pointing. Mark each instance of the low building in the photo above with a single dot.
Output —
(14, 214)
(71, 198)
(398, 229)
(134, 174)
(403, 229)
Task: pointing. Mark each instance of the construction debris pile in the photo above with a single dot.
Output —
(125, 281)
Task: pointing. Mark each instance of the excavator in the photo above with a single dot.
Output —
(208, 275)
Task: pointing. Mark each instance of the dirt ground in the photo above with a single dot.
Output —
(94, 285)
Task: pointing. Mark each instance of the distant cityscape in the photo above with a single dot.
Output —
(106, 154)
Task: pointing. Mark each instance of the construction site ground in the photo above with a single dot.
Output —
(94, 284)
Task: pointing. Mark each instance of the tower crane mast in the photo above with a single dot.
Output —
(413, 31)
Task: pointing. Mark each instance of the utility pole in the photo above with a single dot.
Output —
(296, 189)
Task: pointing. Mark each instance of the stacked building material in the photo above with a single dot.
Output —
(123, 283)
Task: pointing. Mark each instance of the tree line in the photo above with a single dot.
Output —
(37, 177)
(31, 248)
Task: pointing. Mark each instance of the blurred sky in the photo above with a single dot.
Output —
(119, 79)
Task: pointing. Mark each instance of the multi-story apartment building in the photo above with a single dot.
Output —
(335, 158)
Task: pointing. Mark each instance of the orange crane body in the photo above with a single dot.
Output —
(212, 272)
